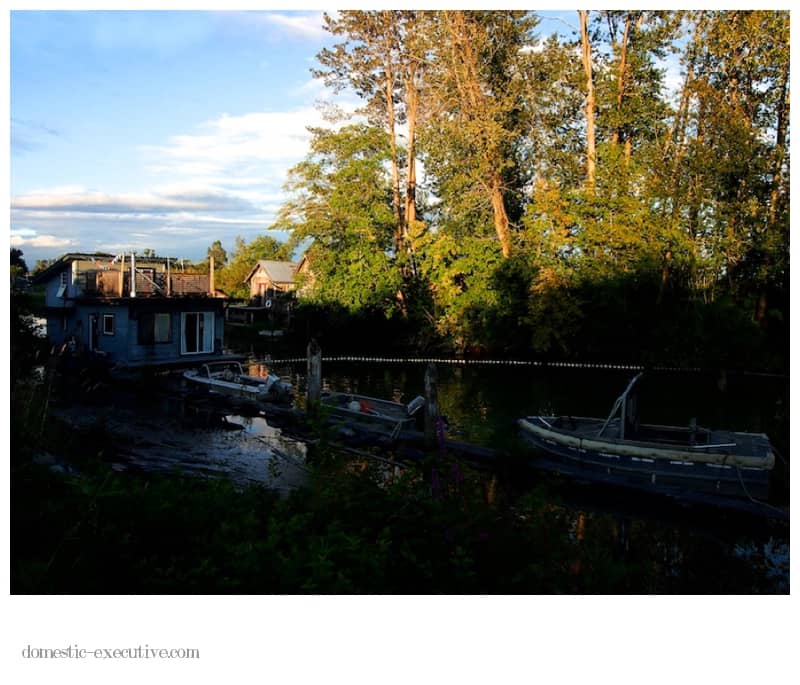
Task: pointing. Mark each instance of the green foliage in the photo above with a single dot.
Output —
(41, 265)
(341, 199)
(434, 529)
(18, 262)
(114, 533)
(688, 215)
(218, 253)
(245, 256)
(27, 347)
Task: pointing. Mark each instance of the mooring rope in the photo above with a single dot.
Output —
(751, 498)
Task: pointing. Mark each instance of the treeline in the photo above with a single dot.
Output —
(508, 192)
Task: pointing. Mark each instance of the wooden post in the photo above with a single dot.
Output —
(313, 377)
(431, 405)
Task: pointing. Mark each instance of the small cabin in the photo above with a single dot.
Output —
(267, 278)
(133, 312)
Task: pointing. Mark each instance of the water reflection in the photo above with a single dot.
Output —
(170, 432)
(482, 403)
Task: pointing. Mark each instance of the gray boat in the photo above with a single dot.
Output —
(620, 449)
(230, 379)
(371, 412)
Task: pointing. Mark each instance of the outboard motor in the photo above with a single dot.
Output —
(279, 390)
(415, 405)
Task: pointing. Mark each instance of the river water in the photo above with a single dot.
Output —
(174, 431)
(482, 401)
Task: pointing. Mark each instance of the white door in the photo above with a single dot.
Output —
(197, 332)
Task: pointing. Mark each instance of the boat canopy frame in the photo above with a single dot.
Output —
(621, 406)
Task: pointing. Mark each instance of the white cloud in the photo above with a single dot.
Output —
(22, 232)
(181, 219)
(129, 203)
(300, 25)
(237, 146)
(313, 87)
(221, 180)
(27, 238)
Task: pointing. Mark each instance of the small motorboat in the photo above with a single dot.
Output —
(620, 449)
(383, 415)
(229, 378)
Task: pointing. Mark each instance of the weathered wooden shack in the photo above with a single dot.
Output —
(133, 311)
(267, 278)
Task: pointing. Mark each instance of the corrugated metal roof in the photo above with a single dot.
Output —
(279, 272)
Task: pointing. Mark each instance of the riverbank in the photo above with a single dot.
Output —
(81, 524)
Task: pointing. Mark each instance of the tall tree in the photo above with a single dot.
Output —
(472, 125)
(340, 199)
(735, 153)
(17, 260)
(382, 59)
(586, 59)
(218, 253)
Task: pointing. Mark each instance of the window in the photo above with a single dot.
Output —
(197, 332)
(145, 279)
(108, 324)
(154, 328)
(62, 286)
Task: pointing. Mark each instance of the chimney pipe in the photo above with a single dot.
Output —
(133, 274)
(211, 276)
(122, 276)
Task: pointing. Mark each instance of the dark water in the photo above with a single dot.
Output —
(483, 402)
(172, 430)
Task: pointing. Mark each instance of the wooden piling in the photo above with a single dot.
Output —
(431, 405)
(313, 377)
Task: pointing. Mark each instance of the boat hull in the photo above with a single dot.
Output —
(713, 471)
(371, 413)
(250, 387)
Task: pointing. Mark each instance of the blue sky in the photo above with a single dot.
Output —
(157, 129)
(165, 130)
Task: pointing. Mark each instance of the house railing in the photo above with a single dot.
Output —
(148, 284)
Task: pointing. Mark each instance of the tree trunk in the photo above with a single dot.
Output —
(623, 65)
(410, 214)
(664, 276)
(775, 191)
(761, 307)
(586, 55)
(474, 101)
(389, 96)
(501, 223)
(412, 104)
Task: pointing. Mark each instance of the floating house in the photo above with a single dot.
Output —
(133, 311)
